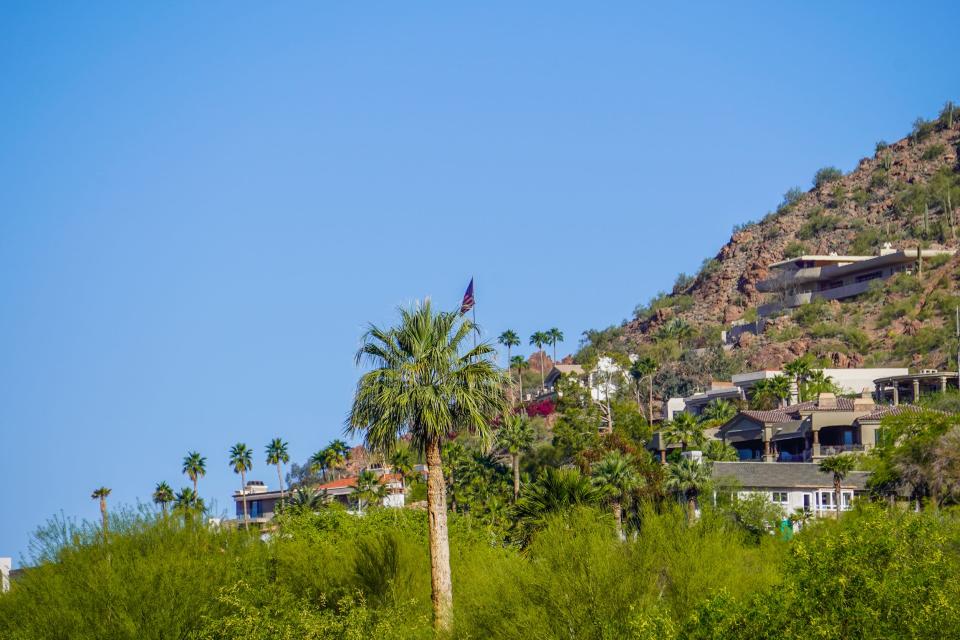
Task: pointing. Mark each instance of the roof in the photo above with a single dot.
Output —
(776, 415)
(342, 483)
(930, 375)
(788, 430)
(817, 258)
(889, 410)
(799, 475)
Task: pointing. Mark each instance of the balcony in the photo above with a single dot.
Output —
(836, 449)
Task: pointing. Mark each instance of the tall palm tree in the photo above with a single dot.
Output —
(539, 339)
(520, 364)
(688, 478)
(555, 336)
(102, 494)
(337, 455)
(770, 392)
(639, 369)
(685, 429)
(509, 339)
(195, 466)
(277, 454)
(401, 462)
(516, 436)
(840, 466)
(163, 495)
(818, 382)
(368, 490)
(427, 381)
(799, 369)
(241, 460)
(320, 461)
(718, 411)
(615, 477)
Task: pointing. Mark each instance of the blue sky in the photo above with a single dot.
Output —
(202, 206)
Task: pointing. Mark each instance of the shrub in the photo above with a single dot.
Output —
(818, 222)
(866, 241)
(682, 282)
(922, 129)
(795, 249)
(860, 196)
(880, 146)
(785, 335)
(878, 179)
(791, 197)
(809, 314)
(933, 152)
(839, 195)
(826, 175)
(542, 408)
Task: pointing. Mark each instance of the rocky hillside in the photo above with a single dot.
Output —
(907, 193)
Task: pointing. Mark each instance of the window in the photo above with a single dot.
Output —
(873, 275)
(779, 497)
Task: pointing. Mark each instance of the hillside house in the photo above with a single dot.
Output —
(798, 281)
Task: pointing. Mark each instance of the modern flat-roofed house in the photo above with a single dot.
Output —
(262, 503)
(800, 280)
(792, 486)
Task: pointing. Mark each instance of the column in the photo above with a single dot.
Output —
(943, 384)
(767, 453)
(878, 395)
(916, 391)
(663, 456)
(816, 443)
(896, 394)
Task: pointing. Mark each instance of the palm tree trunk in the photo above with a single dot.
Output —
(243, 494)
(280, 480)
(516, 476)
(554, 343)
(103, 516)
(520, 379)
(542, 377)
(440, 583)
(692, 508)
(618, 519)
(650, 406)
(836, 494)
(195, 486)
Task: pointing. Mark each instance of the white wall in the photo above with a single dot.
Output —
(795, 498)
(6, 564)
(856, 380)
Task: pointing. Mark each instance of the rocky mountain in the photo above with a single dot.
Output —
(907, 193)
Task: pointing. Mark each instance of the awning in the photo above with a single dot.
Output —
(743, 436)
(788, 430)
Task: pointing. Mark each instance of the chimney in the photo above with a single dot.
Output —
(794, 392)
(826, 401)
(864, 402)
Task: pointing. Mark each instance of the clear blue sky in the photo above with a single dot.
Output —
(202, 205)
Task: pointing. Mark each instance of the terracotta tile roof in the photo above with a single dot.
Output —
(352, 481)
(890, 410)
(776, 415)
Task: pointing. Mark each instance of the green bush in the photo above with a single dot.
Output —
(878, 179)
(826, 175)
(809, 314)
(933, 152)
(817, 222)
(866, 241)
(860, 196)
(922, 129)
(795, 249)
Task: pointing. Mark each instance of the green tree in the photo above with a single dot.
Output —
(684, 429)
(640, 369)
(840, 466)
(826, 175)
(368, 490)
(509, 339)
(241, 461)
(615, 476)
(188, 503)
(516, 436)
(307, 500)
(799, 369)
(277, 454)
(688, 478)
(163, 495)
(320, 461)
(555, 336)
(770, 392)
(195, 467)
(520, 364)
(539, 339)
(818, 382)
(717, 451)
(555, 490)
(338, 453)
(101, 494)
(426, 382)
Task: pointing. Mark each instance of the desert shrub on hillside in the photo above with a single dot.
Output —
(795, 249)
(860, 196)
(817, 222)
(933, 152)
(809, 314)
(878, 179)
(866, 241)
(826, 175)
(922, 128)
(897, 309)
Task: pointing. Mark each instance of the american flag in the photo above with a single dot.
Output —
(468, 300)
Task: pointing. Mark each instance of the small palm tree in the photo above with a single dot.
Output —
(556, 490)
(188, 502)
(277, 454)
(241, 460)
(520, 364)
(718, 411)
(101, 494)
(615, 476)
(516, 436)
(319, 462)
(337, 455)
(401, 462)
(368, 490)
(818, 382)
(195, 466)
(539, 339)
(685, 429)
(799, 369)
(509, 339)
(640, 369)
(688, 478)
(555, 336)
(717, 451)
(428, 382)
(163, 495)
(304, 499)
(840, 466)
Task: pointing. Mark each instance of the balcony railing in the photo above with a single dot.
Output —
(834, 449)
